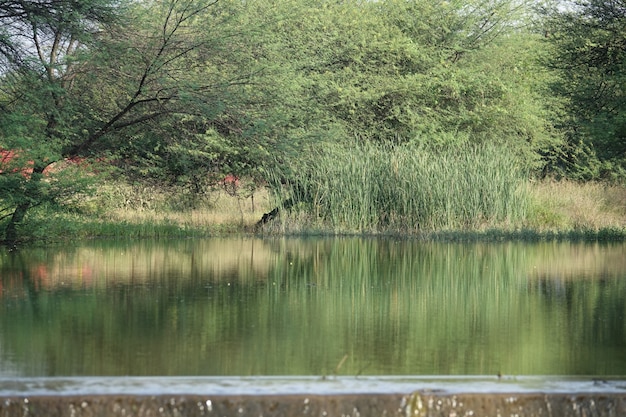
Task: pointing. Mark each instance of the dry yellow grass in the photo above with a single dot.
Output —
(231, 211)
(216, 209)
(567, 205)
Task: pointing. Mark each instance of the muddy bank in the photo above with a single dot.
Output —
(419, 404)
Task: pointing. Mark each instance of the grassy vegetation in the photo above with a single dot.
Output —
(479, 193)
(567, 205)
(120, 210)
(219, 209)
(382, 188)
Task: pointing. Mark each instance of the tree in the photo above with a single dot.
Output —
(417, 70)
(42, 43)
(91, 78)
(229, 112)
(588, 40)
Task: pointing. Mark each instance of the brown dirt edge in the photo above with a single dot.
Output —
(419, 404)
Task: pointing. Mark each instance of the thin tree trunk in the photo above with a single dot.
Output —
(10, 235)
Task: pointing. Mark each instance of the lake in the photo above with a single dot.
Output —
(313, 306)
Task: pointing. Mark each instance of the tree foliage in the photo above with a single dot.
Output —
(94, 84)
(429, 72)
(42, 45)
(188, 91)
(588, 40)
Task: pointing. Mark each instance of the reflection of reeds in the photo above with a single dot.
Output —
(386, 306)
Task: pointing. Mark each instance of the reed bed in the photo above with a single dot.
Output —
(405, 188)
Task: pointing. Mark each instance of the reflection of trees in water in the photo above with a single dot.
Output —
(592, 308)
(567, 260)
(107, 264)
(392, 306)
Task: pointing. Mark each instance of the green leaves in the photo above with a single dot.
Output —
(589, 45)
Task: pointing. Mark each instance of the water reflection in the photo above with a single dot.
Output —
(313, 307)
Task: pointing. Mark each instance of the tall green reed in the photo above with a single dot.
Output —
(406, 188)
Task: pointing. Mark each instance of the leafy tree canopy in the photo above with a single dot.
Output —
(588, 40)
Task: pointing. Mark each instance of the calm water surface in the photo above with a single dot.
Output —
(243, 306)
